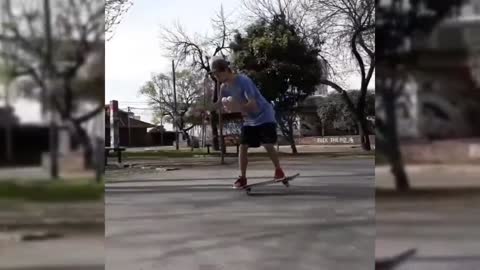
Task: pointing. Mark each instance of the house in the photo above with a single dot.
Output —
(159, 136)
(132, 133)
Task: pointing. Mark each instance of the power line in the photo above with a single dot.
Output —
(139, 108)
(134, 102)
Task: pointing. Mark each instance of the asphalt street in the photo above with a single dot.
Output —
(193, 219)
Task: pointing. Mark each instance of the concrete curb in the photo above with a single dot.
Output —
(425, 168)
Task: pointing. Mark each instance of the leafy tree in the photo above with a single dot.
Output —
(344, 30)
(333, 111)
(282, 64)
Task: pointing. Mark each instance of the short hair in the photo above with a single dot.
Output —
(220, 65)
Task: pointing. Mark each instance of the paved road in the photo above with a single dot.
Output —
(443, 228)
(192, 219)
(433, 175)
(76, 250)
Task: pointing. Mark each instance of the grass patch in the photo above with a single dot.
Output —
(51, 191)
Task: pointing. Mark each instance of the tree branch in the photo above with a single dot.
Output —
(343, 93)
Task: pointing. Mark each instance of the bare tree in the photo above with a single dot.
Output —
(296, 12)
(350, 24)
(159, 91)
(59, 57)
(197, 51)
(114, 12)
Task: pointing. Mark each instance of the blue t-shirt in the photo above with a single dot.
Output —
(243, 90)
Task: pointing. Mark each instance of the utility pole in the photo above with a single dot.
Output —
(175, 106)
(204, 112)
(48, 76)
(220, 122)
(128, 124)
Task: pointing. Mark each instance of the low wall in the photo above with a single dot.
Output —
(445, 151)
(332, 140)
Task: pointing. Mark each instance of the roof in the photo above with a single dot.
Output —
(124, 122)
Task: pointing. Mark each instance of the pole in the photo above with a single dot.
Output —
(48, 68)
(204, 115)
(129, 130)
(175, 106)
(220, 122)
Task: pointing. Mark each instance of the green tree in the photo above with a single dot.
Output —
(334, 112)
(345, 30)
(282, 64)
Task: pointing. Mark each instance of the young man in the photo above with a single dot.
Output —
(259, 127)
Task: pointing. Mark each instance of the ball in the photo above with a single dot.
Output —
(229, 99)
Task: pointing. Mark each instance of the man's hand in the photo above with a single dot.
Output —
(232, 106)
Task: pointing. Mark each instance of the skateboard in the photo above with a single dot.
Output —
(285, 181)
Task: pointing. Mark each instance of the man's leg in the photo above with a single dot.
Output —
(243, 160)
(247, 138)
(273, 154)
(268, 135)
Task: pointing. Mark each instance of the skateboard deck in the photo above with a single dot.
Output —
(284, 181)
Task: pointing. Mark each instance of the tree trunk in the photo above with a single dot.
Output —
(84, 140)
(398, 170)
(294, 148)
(362, 126)
(53, 141)
(291, 137)
(363, 132)
(393, 145)
(99, 159)
(214, 123)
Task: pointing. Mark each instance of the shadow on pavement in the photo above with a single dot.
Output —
(475, 258)
(335, 190)
(232, 239)
(230, 179)
(439, 193)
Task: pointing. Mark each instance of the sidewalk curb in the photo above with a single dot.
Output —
(457, 168)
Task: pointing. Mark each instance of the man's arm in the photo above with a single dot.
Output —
(215, 106)
(249, 88)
